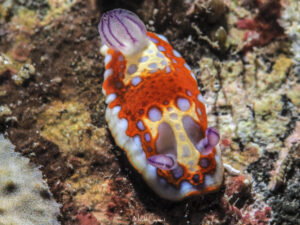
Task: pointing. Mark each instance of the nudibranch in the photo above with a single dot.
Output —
(155, 111)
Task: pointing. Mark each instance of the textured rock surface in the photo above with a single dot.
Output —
(52, 107)
(24, 195)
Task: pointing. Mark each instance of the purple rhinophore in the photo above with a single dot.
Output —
(123, 31)
(163, 161)
(212, 136)
(207, 144)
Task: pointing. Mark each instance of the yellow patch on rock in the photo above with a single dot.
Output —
(68, 124)
(280, 70)
(294, 95)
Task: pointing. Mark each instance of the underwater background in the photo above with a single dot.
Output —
(58, 161)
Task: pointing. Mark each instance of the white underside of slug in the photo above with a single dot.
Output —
(137, 157)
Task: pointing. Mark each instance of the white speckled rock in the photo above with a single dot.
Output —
(290, 21)
(24, 196)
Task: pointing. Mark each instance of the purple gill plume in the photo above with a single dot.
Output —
(122, 30)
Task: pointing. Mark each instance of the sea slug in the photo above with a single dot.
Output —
(155, 111)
